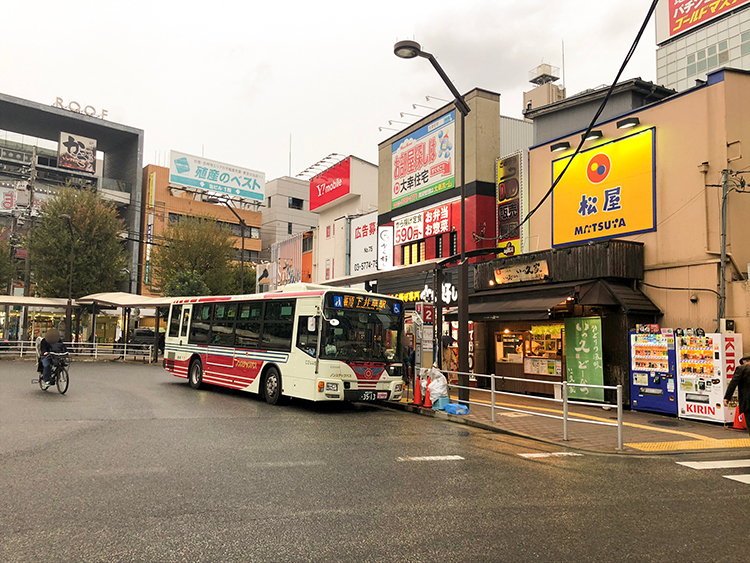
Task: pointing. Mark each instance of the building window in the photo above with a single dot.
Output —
(328, 269)
(307, 244)
(328, 231)
(745, 47)
(295, 203)
(289, 228)
(439, 246)
(413, 253)
(269, 201)
(454, 243)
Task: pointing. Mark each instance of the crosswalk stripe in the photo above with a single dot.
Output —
(549, 454)
(724, 464)
(431, 458)
(741, 478)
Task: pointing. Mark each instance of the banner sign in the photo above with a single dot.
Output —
(364, 244)
(76, 152)
(330, 184)
(410, 228)
(385, 248)
(533, 271)
(422, 224)
(508, 192)
(675, 17)
(423, 162)
(608, 191)
(583, 357)
(215, 177)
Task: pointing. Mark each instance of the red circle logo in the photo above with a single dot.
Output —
(598, 168)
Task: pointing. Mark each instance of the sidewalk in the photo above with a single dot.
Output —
(643, 433)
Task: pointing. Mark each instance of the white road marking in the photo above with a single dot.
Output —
(741, 478)
(431, 458)
(725, 464)
(549, 454)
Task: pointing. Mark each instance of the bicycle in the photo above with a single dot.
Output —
(59, 376)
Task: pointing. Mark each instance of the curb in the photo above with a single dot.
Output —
(462, 419)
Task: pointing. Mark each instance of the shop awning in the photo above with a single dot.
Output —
(533, 303)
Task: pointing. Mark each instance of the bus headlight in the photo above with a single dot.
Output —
(398, 388)
(332, 387)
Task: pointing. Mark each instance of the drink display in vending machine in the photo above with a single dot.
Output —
(706, 365)
(653, 368)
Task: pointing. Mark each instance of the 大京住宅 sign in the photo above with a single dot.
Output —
(76, 152)
(536, 270)
(423, 162)
(215, 177)
(608, 191)
(364, 244)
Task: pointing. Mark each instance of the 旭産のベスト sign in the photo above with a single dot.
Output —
(215, 177)
(583, 357)
(423, 162)
(608, 191)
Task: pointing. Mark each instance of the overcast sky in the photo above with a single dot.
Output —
(235, 79)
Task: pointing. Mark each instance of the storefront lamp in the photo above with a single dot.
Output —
(564, 145)
(595, 134)
(629, 122)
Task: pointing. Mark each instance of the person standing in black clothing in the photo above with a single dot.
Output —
(741, 382)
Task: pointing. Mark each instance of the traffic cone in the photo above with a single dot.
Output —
(427, 401)
(417, 391)
(739, 420)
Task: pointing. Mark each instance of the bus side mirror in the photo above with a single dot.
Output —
(312, 324)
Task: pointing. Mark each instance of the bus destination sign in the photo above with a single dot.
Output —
(365, 303)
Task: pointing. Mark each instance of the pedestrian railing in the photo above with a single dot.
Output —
(564, 385)
(83, 350)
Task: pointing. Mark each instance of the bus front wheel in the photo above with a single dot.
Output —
(195, 375)
(272, 386)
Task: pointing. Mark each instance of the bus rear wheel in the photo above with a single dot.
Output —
(272, 386)
(195, 374)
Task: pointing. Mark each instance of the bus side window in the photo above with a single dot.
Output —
(307, 340)
(174, 320)
(185, 320)
(201, 326)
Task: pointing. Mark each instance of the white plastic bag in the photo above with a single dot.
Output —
(423, 373)
(438, 385)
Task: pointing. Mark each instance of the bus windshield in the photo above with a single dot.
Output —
(365, 336)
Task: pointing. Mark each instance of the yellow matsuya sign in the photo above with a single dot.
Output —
(608, 191)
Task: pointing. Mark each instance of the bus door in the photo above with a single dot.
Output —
(184, 323)
(221, 345)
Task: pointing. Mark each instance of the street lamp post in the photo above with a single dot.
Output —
(69, 308)
(409, 50)
(242, 256)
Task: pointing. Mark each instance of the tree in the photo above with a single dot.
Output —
(6, 266)
(99, 257)
(198, 245)
(184, 283)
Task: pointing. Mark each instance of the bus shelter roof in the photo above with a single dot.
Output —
(122, 299)
(27, 301)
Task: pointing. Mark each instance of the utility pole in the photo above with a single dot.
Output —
(29, 230)
(723, 264)
(242, 256)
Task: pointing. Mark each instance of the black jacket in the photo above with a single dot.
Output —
(58, 347)
(740, 381)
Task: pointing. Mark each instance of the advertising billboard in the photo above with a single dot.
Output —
(675, 17)
(364, 244)
(215, 177)
(423, 162)
(76, 152)
(608, 191)
(385, 248)
(508, 193)
(330, 184)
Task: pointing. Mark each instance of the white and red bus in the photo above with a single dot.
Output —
(307, 341)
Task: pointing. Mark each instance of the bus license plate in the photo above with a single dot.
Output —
(373, 396)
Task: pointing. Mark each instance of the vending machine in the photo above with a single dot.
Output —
(653, 368)
(705, 366)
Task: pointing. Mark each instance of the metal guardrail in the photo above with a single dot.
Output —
(88, 350)
(564, 400)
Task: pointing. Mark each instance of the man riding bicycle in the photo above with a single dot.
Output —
(52, 343)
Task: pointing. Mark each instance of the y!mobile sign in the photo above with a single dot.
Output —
(215, 177)
(423, 163)
(330, 184)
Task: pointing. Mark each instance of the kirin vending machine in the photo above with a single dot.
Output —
(653, 368)
(705, 366)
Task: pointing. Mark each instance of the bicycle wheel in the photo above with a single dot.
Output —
(62, 379)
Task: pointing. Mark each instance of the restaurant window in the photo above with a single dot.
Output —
(413, 253)
(439, 246)
(454, 243)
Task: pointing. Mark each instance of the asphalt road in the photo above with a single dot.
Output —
(133, 465)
